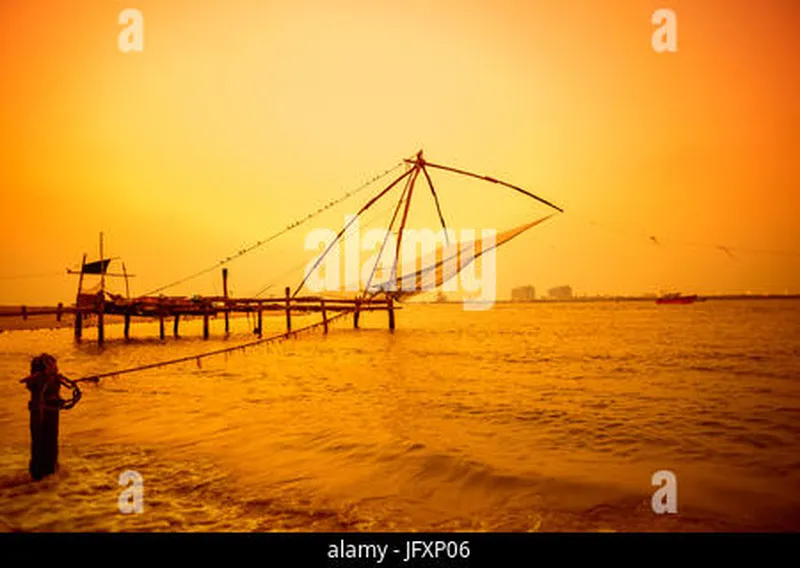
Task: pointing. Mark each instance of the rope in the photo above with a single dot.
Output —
(199, 357)
(305, 261)
(275, 235)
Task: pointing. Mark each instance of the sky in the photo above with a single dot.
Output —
(676, 170)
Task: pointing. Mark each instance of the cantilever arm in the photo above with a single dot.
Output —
(492, 180)
(369, 204)
(436, 200)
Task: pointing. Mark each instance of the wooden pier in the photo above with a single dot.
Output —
(180, 308)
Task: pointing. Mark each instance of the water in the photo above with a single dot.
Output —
(543, 417)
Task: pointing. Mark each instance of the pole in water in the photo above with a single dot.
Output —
(44, 384)
(390, 308)
(288, 309)
(78, 325)
(324, 315)
(225, 295)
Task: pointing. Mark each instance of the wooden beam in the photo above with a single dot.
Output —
(78, 325)
(225, 295)
(288, 309)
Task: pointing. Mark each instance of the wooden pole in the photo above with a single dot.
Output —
(225, 295)
(44, 384)
(205, 323)
(127, 326)
(161, 326)
(259, 330)
(102, 298)
(175, 326)
(24, 312)
(356, 313)
(324, 315)
(390, 309)
(288, 310)
(59, 309)
(79, 314)
(78, 325)
(101, 334)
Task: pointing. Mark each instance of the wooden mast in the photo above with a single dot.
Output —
(78, 312)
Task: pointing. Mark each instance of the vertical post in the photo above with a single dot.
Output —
(44, 383)
(225, 295)
(259, 329)
(390, 308)
(357, 313)
(24, 313)
(324, 315)
(205, 323)
(175, 326)
(59, 311)
(127, 326)
(102, 298)
(78, 325)
(101, 335)
(78, 313)
(161, 325)
(288, 310)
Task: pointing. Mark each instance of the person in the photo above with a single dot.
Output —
(44, 384)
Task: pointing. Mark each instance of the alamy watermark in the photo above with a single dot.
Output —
(131, 500)
(665, 499)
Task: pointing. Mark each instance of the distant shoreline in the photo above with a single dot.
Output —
(585, 299)
(35, 321)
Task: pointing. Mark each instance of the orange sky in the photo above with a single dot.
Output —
(239, 117)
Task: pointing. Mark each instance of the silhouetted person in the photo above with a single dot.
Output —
(44, 383)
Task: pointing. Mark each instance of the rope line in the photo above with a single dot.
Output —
(199, 357)
(274, 236)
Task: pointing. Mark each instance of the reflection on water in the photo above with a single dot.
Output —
(540, 417)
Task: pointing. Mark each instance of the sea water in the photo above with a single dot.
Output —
(535, 417)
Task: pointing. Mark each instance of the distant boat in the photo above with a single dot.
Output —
(677, 298)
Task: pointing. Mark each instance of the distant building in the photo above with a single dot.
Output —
(523, 294)
(560, 293)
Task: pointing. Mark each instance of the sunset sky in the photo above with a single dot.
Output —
(238, 118)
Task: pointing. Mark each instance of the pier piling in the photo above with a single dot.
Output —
(324, 315)
(78, 325)
(390, 309)
(127, 326)
(225, 295)
(288, 310)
